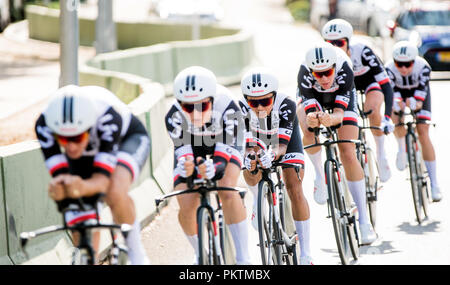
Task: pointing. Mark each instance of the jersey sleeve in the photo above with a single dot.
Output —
(369, 58)
(287, 113)
(175, 126)
(55, 161)
(109, 127)
(344, 79)
(305, 91)
(424, 78)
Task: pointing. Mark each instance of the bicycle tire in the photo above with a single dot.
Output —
(425, 185)
(372, 186)
(290, 254)
(340, 231)
(267, 228)
(350, 218)
(414, 176)
(206, 246)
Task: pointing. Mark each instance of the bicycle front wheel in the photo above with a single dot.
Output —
(335, 206)
(372, 182)
(267, 227)
(208, 254)
(415, 177)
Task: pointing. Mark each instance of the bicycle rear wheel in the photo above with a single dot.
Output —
(372, 182)
(206, 234)
(334, 204)
(267, 227)
(415, 177)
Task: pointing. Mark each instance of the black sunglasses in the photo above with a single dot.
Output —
(201, 107)
(406, 64)
(254, 103)
(338, 43)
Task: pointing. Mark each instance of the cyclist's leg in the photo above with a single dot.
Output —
(314, 154)
(187, 215)
(132, 155)
(353, 170)
(400, 133)
(234, 212)
(428, 151)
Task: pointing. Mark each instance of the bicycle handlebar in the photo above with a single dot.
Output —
(329, 131)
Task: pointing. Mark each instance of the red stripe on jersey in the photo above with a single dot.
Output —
(176, 177)
(58, 166)
(81, 219)
(350, 119)
(128, 165)
(386, 80)
(104, 166)
(237, 159)
(419, 98)
(424, 117)
(342, 103)
(222, 154)
(288, 138)
(298, 161)
(311, 106)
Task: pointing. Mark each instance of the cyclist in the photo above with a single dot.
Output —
(205, 121)
(104, 148)
(410, 76)
(270, 120)
(371, 78)
(325, 82)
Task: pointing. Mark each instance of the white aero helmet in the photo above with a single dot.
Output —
(70, 112)
(194, 83)
(404, 51)
(321, 57)
(258, 81)
(337, 29)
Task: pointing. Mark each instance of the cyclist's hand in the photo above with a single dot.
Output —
(325, 119)
(312, 121)
(74, 186)
(387, 125)
(266, 159)
(56, 188)
(185, 166)
(413, 104)
(250, 164)
(398, 102)
(207, 169)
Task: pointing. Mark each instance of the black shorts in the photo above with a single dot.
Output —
(424, 114)
(366, 83)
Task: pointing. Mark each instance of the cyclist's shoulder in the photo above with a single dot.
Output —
(224, 100)
(420, 64)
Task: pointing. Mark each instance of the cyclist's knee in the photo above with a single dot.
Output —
(347, 153)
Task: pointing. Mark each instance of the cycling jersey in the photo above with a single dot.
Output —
(370, 74)
(115, 129)
(222, 137)
(341, 94)
(279, 127)
(414, 85)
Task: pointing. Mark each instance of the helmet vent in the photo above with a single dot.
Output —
(201, 89)
(265, 86)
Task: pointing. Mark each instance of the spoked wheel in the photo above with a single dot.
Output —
(335, 206)
(415, 178)
(372, 182)
(206, 245)
(425, 185)
(267, 228)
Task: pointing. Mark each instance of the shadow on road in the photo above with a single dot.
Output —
(384, 248)
(419, 229)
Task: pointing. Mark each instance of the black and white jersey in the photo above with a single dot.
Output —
(367, 67)
(222, 137)
(277, 127)
(414, 85)
(113, 120)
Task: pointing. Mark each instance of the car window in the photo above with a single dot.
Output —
(429, 18)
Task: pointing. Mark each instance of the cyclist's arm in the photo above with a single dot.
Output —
(287, 115)
(422, 90)
(97, 183)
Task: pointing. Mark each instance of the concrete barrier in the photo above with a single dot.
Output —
(43, 24)
(28, 207)
(4, 258)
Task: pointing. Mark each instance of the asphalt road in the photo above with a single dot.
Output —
(281, 44)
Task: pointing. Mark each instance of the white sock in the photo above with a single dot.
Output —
(358, 191)
(379, 141)
(136, 252)
(401, 144)
(239, 232)
(316, 160)
(193, 240)
(302, 228)
(254, 190)
(431, 167)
